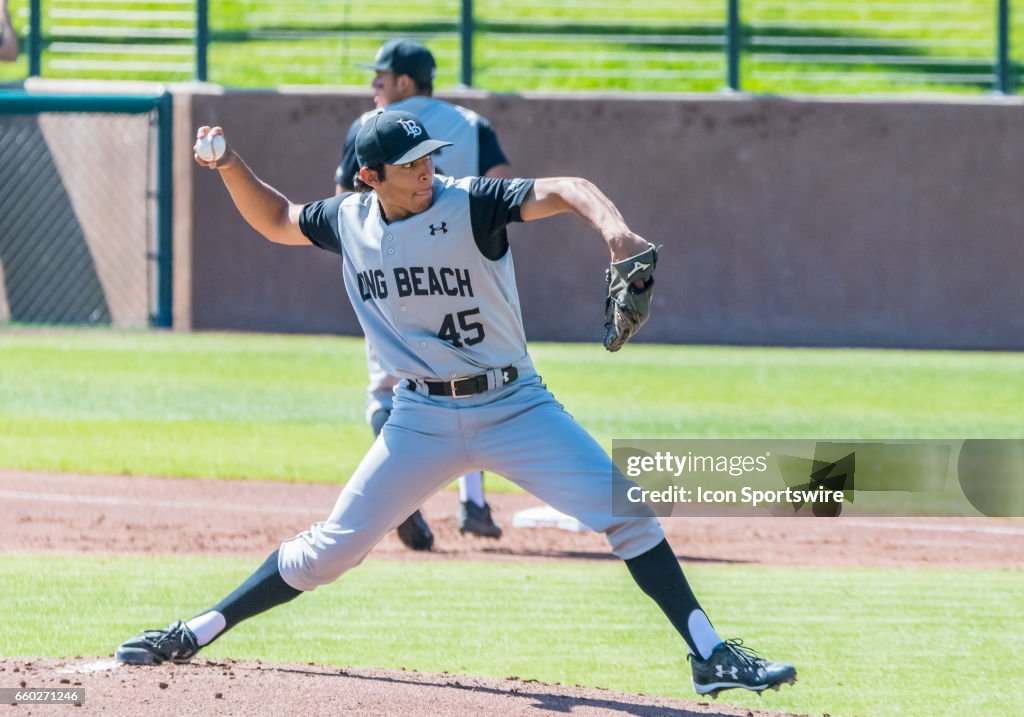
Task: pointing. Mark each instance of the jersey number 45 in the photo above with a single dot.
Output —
(472, 331)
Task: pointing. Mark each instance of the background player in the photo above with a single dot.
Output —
(404, 80)
(443, 313)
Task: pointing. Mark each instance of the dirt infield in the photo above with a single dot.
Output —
(251, 688)
(76, 513)
(117, 515)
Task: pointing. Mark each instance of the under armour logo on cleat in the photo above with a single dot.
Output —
(504, 376)
(411, 128)
(443, 229)
(721, 672)
(637, 266)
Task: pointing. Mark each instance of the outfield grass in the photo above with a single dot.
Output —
(291, 408)
(867, 642)
(654, 46)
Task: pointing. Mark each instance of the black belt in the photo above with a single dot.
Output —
(469, 386)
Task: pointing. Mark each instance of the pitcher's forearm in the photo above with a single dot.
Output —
(555, 195)
(263, 207)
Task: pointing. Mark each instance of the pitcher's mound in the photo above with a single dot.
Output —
(250, 688)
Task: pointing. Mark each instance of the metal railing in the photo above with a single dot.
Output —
(508, 45)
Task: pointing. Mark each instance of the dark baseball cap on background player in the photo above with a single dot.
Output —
(404, 57)
(394, 137)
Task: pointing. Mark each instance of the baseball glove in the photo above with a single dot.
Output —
(627, 307)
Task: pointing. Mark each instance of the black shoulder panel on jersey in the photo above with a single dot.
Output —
(319, 222)
(488, 147)
(493, 204)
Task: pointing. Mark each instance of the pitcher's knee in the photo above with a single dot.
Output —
(630, 537)
(321, 555)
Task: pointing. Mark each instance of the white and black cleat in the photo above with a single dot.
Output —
(733, 666)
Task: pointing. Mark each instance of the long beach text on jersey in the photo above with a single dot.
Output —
(416, 281)
(429, 301)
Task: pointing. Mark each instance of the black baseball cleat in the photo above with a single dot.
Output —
(415, 533)
(478, 521)
(732, 665)
(153, 647)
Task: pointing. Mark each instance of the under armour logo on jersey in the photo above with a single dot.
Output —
(514, 185)
(721, 672)
(443, 229)
(637, 266)
(411, 128)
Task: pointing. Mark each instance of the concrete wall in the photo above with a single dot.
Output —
(810, 222)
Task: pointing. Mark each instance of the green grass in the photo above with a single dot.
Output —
(620, 45)
(291, 408)
(867, 642)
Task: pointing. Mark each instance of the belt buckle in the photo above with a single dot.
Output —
(455, 392)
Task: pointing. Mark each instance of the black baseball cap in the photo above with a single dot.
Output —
(405, 57)
(394, 137)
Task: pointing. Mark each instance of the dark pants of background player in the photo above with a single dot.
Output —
(378, 419)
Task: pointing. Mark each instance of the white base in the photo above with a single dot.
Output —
(545, 516)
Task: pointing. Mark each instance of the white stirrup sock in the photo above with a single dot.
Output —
(207, 626)
(702, 634)
(471, 487)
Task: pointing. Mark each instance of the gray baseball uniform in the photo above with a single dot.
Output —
(436, 297)
(434, 290)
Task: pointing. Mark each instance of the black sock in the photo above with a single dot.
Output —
(263, 590)
(658, 574)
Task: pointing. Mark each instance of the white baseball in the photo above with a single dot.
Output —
(210, 148)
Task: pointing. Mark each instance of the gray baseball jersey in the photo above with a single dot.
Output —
(436, 296)
(381, 388)
(474, 151)
(427, 318)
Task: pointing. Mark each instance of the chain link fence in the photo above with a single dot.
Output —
(80, 218)
(764, 46)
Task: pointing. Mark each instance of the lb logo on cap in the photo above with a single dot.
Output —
(411, 128)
